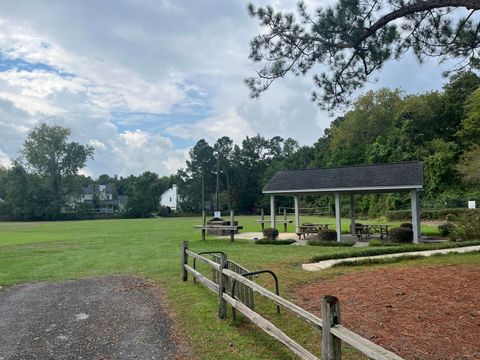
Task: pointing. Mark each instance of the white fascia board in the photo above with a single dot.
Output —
(349, 190)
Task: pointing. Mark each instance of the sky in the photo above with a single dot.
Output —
(143, 80)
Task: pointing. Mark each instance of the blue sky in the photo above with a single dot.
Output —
(143, 80)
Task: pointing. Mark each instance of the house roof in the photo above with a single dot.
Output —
(95, 188)
(393, 177)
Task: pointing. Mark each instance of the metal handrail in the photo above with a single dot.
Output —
(275, 278)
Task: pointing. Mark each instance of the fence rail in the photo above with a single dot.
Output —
(333, 333)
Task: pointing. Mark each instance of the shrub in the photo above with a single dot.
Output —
(327, 235)
(274, 242)
(451, 217)
(401, 235)
(446, 229)
(270, 233)
(468, 227)
(375, 242)
(316, 242)
(407, 225)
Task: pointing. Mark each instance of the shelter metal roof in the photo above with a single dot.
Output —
(393, 177)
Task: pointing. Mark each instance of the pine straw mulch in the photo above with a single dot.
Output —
(427, 312)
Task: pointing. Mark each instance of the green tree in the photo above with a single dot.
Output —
(353, 39)
(469, 133)
(48, 152)
(469, 165)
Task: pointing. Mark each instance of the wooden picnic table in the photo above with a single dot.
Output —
(310, 229)
(368, 229)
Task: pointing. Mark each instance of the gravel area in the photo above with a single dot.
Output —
(113, 317)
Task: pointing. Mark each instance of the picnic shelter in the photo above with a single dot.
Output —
(349, 180)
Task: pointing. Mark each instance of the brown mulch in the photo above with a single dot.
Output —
(428, 313)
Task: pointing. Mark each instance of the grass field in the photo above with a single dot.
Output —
(53, 251)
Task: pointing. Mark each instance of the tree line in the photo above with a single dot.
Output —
(441, 128)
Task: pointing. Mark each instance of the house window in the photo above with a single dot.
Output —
(170, 199)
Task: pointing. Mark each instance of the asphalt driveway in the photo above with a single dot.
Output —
(113, 317)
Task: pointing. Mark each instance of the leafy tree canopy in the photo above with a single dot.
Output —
(354, 38)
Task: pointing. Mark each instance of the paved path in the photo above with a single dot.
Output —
(325, 264)
(113, 317)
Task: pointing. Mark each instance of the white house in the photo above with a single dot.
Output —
(170, 198)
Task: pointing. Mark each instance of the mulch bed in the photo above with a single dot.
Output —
(429, 312)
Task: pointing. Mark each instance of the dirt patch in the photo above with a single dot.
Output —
(113, 317)
(428, 313)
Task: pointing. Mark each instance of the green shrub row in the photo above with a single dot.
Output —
(274, 242)
(371, 251)
(316, 242)
(430, 214)
(377, 261)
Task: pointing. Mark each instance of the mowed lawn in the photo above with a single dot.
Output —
(53, 251)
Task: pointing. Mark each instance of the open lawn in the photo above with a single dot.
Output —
(150, 248)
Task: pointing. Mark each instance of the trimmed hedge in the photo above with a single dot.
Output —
(406, 225)
(316, 242)
(274, 242)
(371, 251)
(401, 235)
(432, 214)
(270, 233)
(446, 229)
(327, 235)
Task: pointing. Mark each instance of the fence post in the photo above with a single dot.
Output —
(184, 260)
(232, 223)
(222, 285)
(331, 345)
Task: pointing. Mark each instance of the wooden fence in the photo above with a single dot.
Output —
(333, 333)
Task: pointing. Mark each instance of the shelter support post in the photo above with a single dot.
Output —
(415, 216)
(338, 220)
(272, 211)
(262, 213)
(352, 214)
(297, 214)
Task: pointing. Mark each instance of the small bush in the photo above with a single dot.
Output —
(327, 235)
(401, 235)
(274, 242)
(407, 225)
(451, 217)
(446, 229)
(316, 242)
(270, 233)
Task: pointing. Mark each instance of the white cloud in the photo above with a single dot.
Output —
(145, 59)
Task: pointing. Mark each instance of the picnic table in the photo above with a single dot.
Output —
(368, 229)
(310, 229)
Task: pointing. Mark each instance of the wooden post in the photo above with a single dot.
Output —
(232, 223)
(338, 216)
(262, 213)
(331, 345)
(352, 214)
(272, 211)
(222, 284)
(204, 223)
(285, 220)
(297, 214)
(184, 260)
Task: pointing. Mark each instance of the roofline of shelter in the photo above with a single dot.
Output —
(347, 190)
